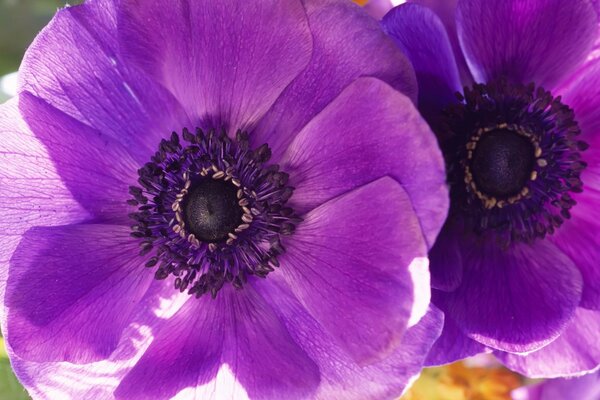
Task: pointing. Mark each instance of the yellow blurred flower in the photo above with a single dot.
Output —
(459, 381)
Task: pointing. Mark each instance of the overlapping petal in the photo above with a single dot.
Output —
(335, 63)
(75, 65)
(72, 291)
(363, 297)
(341, 149)
(574, 353)
(225, 61)
(238, 329)
(517, 300)
(423, 38)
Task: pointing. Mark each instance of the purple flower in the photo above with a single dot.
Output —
(584, 388)
(207, 200)
(516, 266)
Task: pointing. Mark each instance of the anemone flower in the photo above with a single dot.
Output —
(206, 200)
(516, 266)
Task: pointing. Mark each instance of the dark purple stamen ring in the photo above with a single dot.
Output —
(538, 135)
(212, 211)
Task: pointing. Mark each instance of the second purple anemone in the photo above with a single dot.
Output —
(511, 89)
(205, 200)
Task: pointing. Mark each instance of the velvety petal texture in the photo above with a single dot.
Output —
(517, 300)
(574, 353)
(537, 41)
(323, 165)
(363, 299)
(74, 65)
(96, 169)
(71, 292)
(340, 60)
(423, 38)
(585, 388)
(212, 58)
(192, 345)
(452, 345)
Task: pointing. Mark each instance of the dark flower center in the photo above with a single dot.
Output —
(502, 162)
(513, 160)
(212, 211)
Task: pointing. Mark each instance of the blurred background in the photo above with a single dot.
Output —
(480, 378)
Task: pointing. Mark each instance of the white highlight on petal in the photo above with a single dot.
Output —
(223, 387)
(419, 271)
(397, 2)
(8, 84)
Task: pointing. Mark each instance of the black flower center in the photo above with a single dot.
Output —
(502, 163)
(211, 210)
(513, 160)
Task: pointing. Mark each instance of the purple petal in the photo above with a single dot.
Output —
(96, 169)
(581, 92)
(71, 292)
(225, 61)
(584, 388)
(445, 260)
(516, 300)
(347, 44)
(452, 345)
(446, 11)
(579, 237)
(341, 377)
(74, 65)
(239, 329)
(575, 352)
(98, 380)
(369, 131)
(422, 37)
(534, 40)
(351, 283)
(31, 192)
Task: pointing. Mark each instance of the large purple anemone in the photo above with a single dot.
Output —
(217, 199)
(511, 89)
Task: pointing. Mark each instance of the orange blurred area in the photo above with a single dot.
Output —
(361, 2)
(459, 381)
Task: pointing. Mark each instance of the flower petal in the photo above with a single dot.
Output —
(581, 92)
(31, 191)
(584, 388)
(71, 292)
(225, 61)
(347, 44)
(74, 64)
(579, 237)
(446, 11)
(530, 40)
(239, 329)
(96, 169)
(341, 149)
(98, 380)
(341, 377)
(353, 283)
(452, 345)
(516, 300)
(575, 352)
(422, 37)
(445, 260)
